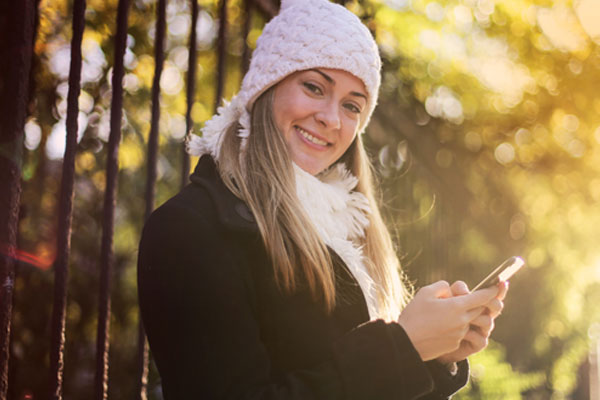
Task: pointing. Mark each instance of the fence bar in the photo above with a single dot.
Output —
(17, 33)
(159, 58)
(268, 7)
(245, 30)
(112, 169)
(65, 211)
(221, 46)
(190, 90)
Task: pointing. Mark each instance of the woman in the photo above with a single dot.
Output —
(272, 275)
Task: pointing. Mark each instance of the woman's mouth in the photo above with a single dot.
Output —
(310, 137)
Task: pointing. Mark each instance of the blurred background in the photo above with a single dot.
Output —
(486, 141)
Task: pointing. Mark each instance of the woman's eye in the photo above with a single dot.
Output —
(352, 108)
(313, 88)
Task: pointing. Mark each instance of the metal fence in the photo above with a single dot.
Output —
(17, 28)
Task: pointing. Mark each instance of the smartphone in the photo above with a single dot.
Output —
(503, 273)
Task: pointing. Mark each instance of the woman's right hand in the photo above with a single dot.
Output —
(436, 321)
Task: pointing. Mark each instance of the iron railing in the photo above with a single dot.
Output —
(19, 28)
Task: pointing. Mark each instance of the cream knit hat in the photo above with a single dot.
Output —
(306, 34)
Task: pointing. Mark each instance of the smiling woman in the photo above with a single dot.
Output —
(272, 275)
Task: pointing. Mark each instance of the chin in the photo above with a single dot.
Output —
(310, 167)
(311, 170)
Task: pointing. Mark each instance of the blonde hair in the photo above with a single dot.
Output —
(263, 177)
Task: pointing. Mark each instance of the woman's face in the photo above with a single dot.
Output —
(318, 112)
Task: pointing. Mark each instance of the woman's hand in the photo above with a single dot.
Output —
(481, 327)
(437, 320)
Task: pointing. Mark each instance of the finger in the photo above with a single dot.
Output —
(495, 307)
(484, 324)
(439, 289)
(478, 298)
(476, 341)
(459, 288)
(473, 313)
(503, 289)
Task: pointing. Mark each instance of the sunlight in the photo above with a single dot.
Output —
(561, 27)
(443, 103)
(502, 75)
(588, 12)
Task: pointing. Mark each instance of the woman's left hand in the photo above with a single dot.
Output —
(477, 337)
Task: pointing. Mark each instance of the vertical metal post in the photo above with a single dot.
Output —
(159, 57)
(17, 32)
(190, 90)
(267, 7)
(245, 30)
(221, 53)
(112, 169)
(65, 210)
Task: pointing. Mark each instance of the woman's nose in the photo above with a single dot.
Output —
(329, 116)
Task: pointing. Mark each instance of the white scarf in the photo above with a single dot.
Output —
(336, 210)
(340, 216)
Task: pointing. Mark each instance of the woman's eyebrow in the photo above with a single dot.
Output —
(327, 77)
(358, 94)
(330, 80)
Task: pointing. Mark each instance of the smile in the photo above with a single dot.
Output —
(310, 137)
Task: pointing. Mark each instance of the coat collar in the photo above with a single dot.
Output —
(231, 211)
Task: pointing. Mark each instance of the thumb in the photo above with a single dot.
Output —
(459, 288)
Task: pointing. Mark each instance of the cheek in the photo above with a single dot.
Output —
(350, 131)
(284, 109)
(278, 112)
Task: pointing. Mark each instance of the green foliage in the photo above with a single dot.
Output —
(492, 378)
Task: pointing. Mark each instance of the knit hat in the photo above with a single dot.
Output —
(306, 34)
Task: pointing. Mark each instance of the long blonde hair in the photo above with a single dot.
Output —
(263, 177)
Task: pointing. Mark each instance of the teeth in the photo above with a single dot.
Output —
(310, 137)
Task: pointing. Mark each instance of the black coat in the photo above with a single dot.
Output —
(219, 327)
